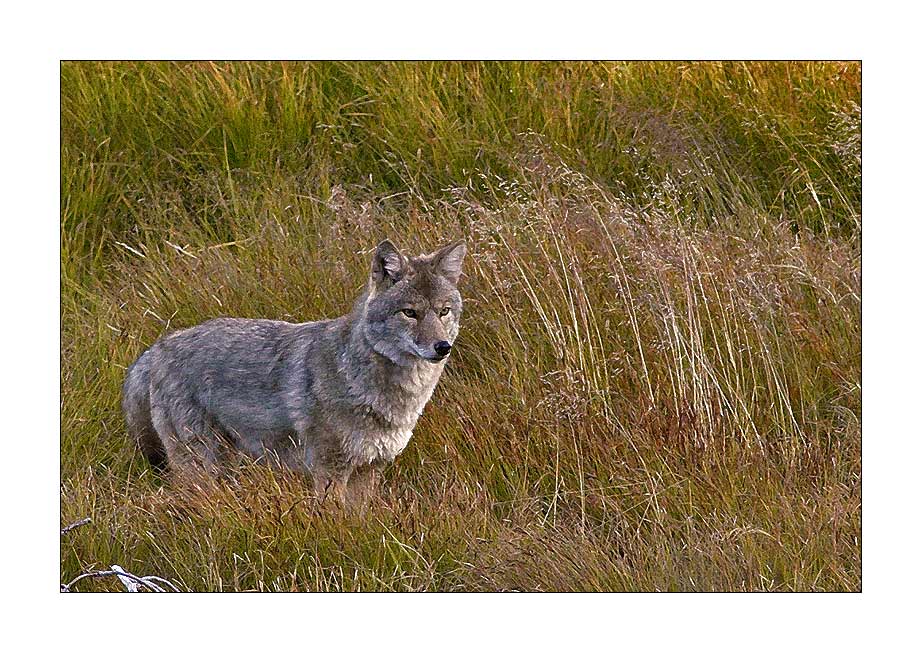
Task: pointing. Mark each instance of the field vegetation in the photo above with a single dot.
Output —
(657, 385)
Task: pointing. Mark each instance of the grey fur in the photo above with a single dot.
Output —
(337, 399)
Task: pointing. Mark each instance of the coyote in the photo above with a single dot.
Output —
(336, 399)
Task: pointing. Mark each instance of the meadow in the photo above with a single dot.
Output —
(657, 385)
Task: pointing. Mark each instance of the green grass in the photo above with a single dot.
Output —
(657, 382)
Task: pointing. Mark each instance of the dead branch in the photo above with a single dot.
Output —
(76, 524)
(131, 582)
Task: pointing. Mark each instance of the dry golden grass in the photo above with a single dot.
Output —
(657, 382)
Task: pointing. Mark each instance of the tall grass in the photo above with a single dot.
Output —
(657, 382)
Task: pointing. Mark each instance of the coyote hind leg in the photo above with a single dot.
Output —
(192, 440)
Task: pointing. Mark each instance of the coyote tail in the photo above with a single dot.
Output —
(136, 407)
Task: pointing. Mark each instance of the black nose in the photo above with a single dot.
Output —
(442, 348)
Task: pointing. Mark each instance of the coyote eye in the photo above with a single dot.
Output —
(409, 312)
(445, 311)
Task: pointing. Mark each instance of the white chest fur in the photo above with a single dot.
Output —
(366, 447)
(388, 414)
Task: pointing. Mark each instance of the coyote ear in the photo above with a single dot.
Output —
(387, 263)
(448, 260)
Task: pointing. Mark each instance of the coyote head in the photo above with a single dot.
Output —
(413, 308)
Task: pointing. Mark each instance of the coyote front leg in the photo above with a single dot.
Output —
(364, 483)
(330, 484)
